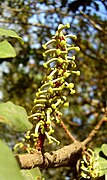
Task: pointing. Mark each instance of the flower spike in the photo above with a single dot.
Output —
(50, 96)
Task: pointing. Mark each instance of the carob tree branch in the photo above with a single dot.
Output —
(68, 155)
(65, 156)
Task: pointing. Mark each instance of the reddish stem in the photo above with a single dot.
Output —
(40, 142)
(67, 131)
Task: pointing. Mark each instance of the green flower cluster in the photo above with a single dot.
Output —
(50, 96)
(89, 165)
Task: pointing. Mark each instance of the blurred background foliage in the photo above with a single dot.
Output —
(36, 22)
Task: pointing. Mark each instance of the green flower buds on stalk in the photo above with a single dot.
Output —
(50, 96)
(89, 165)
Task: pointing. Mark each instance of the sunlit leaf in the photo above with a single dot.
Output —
(97, 150)
(32, 174)
(8, 166)
(104, 149)
(6, 50)
(15, 116)
(10, 33)
(103, 166)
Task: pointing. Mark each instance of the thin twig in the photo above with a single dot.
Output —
(67, 131)
(95, 130)
(26, 24)
(37, 11)
(94, 24)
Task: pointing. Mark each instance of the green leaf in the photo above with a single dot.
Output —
(104, 149)
(10, 33)
(103, 165)
(97, 150)
(9, 168)
(32, 174)
(15, 116)
(6, 50)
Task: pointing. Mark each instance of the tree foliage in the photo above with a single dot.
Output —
(36, 22)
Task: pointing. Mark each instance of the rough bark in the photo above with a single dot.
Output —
(66, 156)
